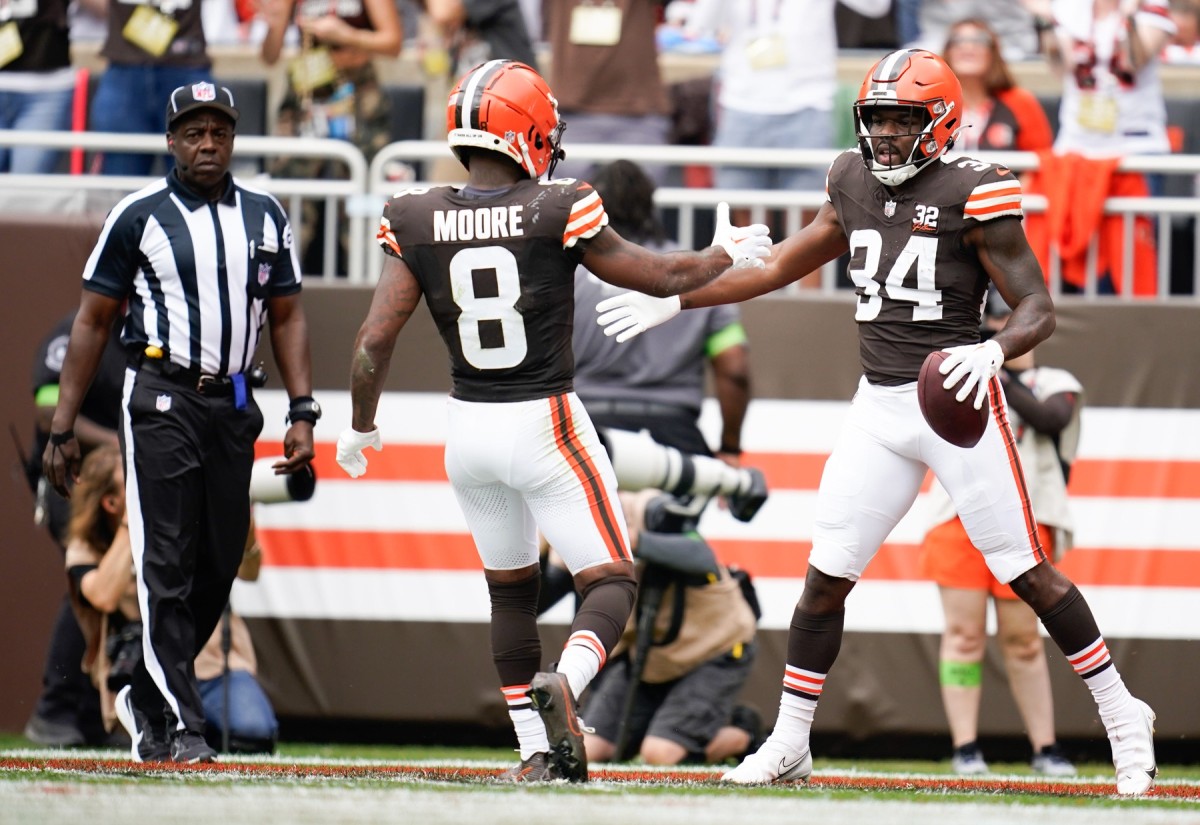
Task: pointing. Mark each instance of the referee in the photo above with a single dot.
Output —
(202, 262)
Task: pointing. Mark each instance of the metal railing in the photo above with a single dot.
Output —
(332, 192)
(366, 188)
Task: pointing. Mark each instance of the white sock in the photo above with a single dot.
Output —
(581, 660)
(531, 733)
(1109, 691)
(1107, 687)
(794, 723)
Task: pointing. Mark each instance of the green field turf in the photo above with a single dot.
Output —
(368, 784)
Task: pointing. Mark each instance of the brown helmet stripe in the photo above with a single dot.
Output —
(889, 69)
(470, 96)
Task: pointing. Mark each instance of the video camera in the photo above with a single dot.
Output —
(642, 463)
(268, 488)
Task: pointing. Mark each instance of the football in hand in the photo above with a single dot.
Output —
(957, 422)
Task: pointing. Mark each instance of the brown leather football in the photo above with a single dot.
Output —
(957, 422)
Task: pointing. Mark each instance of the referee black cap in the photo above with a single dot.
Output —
(199, 96)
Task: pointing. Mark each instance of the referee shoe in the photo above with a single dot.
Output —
(189, 748)
(148, 745)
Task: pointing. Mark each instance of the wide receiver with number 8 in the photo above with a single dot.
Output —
(495, 260)
(925, 233)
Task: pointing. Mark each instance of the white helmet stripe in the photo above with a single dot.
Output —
(467, 114)
(889, 69)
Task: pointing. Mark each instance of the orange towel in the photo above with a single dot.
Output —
(1075, 188)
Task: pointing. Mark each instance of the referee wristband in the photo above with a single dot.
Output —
(59, 439)
(304, 408)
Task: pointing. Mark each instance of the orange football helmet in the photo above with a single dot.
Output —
(921, 80)
(505, 106)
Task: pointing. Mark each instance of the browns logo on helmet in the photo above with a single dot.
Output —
(507, 107)
(919, 80)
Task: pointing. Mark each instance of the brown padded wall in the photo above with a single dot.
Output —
(1127, 354)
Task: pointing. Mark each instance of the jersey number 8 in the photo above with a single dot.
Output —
(487, 264)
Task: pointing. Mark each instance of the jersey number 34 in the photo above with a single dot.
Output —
(920, 250)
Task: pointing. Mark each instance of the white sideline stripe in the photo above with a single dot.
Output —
(788, 515)
(461, 596)
(771, 425)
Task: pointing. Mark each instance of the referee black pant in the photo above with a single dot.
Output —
(188, 458)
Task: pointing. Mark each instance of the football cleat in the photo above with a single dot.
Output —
(772, 764)
(536, 768)
(1131, 734)
(552, 698)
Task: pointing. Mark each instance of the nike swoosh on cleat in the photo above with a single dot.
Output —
(784, 767)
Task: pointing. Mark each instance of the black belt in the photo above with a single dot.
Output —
(204, 383)
(651, 408)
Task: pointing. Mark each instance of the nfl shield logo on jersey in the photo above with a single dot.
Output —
(889, 209)
(162, 403)
(204, 91)
(264, 274)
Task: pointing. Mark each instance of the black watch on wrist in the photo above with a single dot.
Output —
(304, 408)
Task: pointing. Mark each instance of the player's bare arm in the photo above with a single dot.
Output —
(89, 334)
(1010, 263)
(396, 296)
(289, 343)
(661, 274)
(790, 260)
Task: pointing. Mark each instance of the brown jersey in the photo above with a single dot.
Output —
(498, 272)
(919, 287)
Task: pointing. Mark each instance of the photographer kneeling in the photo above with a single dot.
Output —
(99, 563)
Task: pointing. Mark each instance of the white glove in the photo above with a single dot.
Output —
(746, 245)
(979, 362)
(350, 446)
(631, 313)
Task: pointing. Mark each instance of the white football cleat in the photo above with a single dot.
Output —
(772, 764)
(1131, 735)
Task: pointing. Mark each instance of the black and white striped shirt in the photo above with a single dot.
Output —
(197, 274)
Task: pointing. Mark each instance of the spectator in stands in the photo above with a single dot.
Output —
(605, 73)
(1184, 48)
(333, 91)
(99, 563)
(36, 79)
(475, 31)
(778, 81)
(1012, 23)
(1106, 52)
(997, 114)
(151, 50)
(1043, 407)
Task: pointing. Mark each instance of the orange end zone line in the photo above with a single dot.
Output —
(371, 550)
(473, 774)
(1113, 478)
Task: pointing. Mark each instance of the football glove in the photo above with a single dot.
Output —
(350, 446)
(978, 362)
(631, 313)
(745, 245)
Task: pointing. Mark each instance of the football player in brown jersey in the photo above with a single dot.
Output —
(495, 261)
(925, 233)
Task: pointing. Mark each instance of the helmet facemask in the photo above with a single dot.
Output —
(932, 117)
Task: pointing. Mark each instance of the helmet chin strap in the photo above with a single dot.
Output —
(529, 167)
